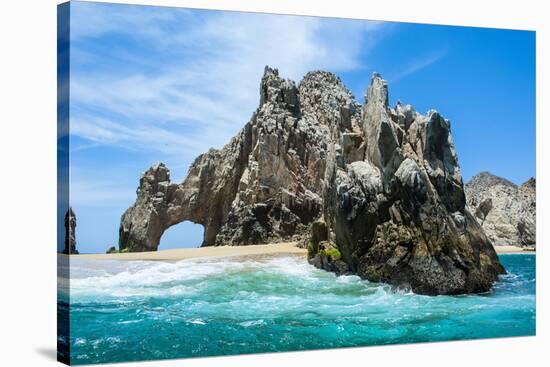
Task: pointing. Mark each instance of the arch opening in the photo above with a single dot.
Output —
(182, 235)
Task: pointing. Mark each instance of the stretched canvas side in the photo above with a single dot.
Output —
(63, 268)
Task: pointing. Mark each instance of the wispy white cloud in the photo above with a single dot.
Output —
(418, 64)
(206, 81)
(172, 83)
(92, 20)
(106, 132)
(86, 192)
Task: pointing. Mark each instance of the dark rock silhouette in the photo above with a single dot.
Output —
(70, 237)
(385, 183)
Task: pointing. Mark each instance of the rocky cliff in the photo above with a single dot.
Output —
(380, 187)
(506, 211)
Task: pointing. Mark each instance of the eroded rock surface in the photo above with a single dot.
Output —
(398, 215)
(506, 212)
(265, 185)
(384, 181)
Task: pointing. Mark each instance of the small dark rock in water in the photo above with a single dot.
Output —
(112, 250)
(70, 237)
(377, 191)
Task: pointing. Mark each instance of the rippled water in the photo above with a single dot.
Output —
(128, 311)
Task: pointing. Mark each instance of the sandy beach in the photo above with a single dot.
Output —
(512, 250)
(223, 251)
(214, 251)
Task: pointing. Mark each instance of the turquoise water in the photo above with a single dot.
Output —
(129, 311)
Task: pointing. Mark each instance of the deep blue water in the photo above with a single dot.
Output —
(129, 311)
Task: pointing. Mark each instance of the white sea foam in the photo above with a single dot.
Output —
(130, 322)
(252, 323)
(146, 278)
(232, 299)
(275, 286)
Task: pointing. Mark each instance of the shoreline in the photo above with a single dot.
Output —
(199, 252)
(230, 251)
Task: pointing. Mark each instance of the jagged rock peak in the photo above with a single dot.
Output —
(488, 179)
(320, 79)
(385, 181)
(378, 90)
(278, 91)
(530, 184)
(325, 99)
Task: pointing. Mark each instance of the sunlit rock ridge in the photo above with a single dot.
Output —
(380, 186)
(506, 211)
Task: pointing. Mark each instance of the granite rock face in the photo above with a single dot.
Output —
(506, 212)
(398, 215)
(384, 182)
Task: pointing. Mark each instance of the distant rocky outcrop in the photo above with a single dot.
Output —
(70, 237)
(382, 183)
(506, 211)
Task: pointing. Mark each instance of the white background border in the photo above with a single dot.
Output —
(28, 182)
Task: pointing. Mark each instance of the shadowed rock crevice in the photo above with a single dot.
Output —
(385, 183)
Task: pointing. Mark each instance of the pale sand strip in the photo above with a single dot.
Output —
(212, 251)
(222, 251)
(512, 250)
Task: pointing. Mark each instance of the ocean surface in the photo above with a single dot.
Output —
(138, 310)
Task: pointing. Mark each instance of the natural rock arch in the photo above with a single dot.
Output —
(265, 185)
(161, 204)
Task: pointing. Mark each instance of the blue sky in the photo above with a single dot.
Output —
(153, 84)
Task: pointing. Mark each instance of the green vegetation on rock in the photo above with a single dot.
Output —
(332, 252)
(310, 249)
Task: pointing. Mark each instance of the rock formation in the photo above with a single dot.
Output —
(506, 212)
(398, 215)
(70, 238)
(264, 186)
(383, 184)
